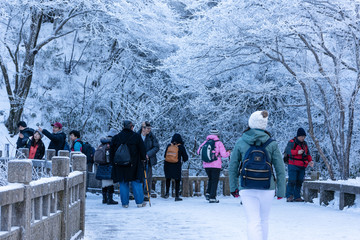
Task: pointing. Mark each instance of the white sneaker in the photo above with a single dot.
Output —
(141, 205)
(125, 206)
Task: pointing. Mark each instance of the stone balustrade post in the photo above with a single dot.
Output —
(50, 153)
(226, 183)
(20, 171)
(63, 153)
(7, 150)
(185, 183)
(61, 168)
(79, 163)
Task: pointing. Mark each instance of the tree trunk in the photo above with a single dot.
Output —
(16, 111)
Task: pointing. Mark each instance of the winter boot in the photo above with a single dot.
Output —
(213, 200)
(110, 200)
(166, 195)
(299, 200)
(104, 194)
(290, 198)
(177, 199)
(207, 196)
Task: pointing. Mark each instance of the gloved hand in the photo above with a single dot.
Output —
(235, 193)
(278, 198)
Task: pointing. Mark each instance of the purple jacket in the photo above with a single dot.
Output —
(220, 152)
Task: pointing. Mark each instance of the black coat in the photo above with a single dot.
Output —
(57, 140)
(152, 147)
(40, 151)
(173, 170)
(23, 142)
(137, 153)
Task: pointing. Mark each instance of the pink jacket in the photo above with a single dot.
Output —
(220, 152)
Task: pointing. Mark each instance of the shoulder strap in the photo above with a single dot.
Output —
(267, 142)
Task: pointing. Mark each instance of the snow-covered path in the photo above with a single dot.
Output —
(194, 218)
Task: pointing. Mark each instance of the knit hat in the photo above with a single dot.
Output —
(259, 120)
(214, 132)
(40, 133)
(112, 132)
(300, 132)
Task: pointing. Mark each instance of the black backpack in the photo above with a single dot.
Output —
(208, 151)
(256, 169)
(100, 156)
(122, 155)
(88, 150)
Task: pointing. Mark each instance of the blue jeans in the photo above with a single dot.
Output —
(137, 190)
(295, 180)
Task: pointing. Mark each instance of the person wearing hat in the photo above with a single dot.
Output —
(132, 173)
(57, 138)
(103, 171)
(257, 202)
(213, 168)
(152, 147)
(299, 158)
(36, 146)
(24, 134)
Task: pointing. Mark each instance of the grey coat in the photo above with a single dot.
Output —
(152, 147)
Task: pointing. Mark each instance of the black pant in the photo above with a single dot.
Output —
(177, 186)
(214, 175)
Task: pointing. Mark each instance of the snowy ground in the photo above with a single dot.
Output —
(194, 218)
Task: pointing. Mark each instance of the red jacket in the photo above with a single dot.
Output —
(292, 149)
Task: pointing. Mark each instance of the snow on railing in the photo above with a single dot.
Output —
(346, 193)
(48, 208)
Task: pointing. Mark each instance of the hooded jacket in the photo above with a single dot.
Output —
(220, 152)
(23, 142)
(257, 137)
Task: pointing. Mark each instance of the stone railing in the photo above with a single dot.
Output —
(48, 208)
(193, 185)
(325, 191)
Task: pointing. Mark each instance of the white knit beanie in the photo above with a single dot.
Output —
(259, 120)
(214, 132)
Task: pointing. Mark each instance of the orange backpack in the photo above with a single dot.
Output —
(172, 153)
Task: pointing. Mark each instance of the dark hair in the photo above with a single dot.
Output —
(177, 139)
(22, 123)
(33, 141)
(145, 124)
(75, 133)
(128, 124)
